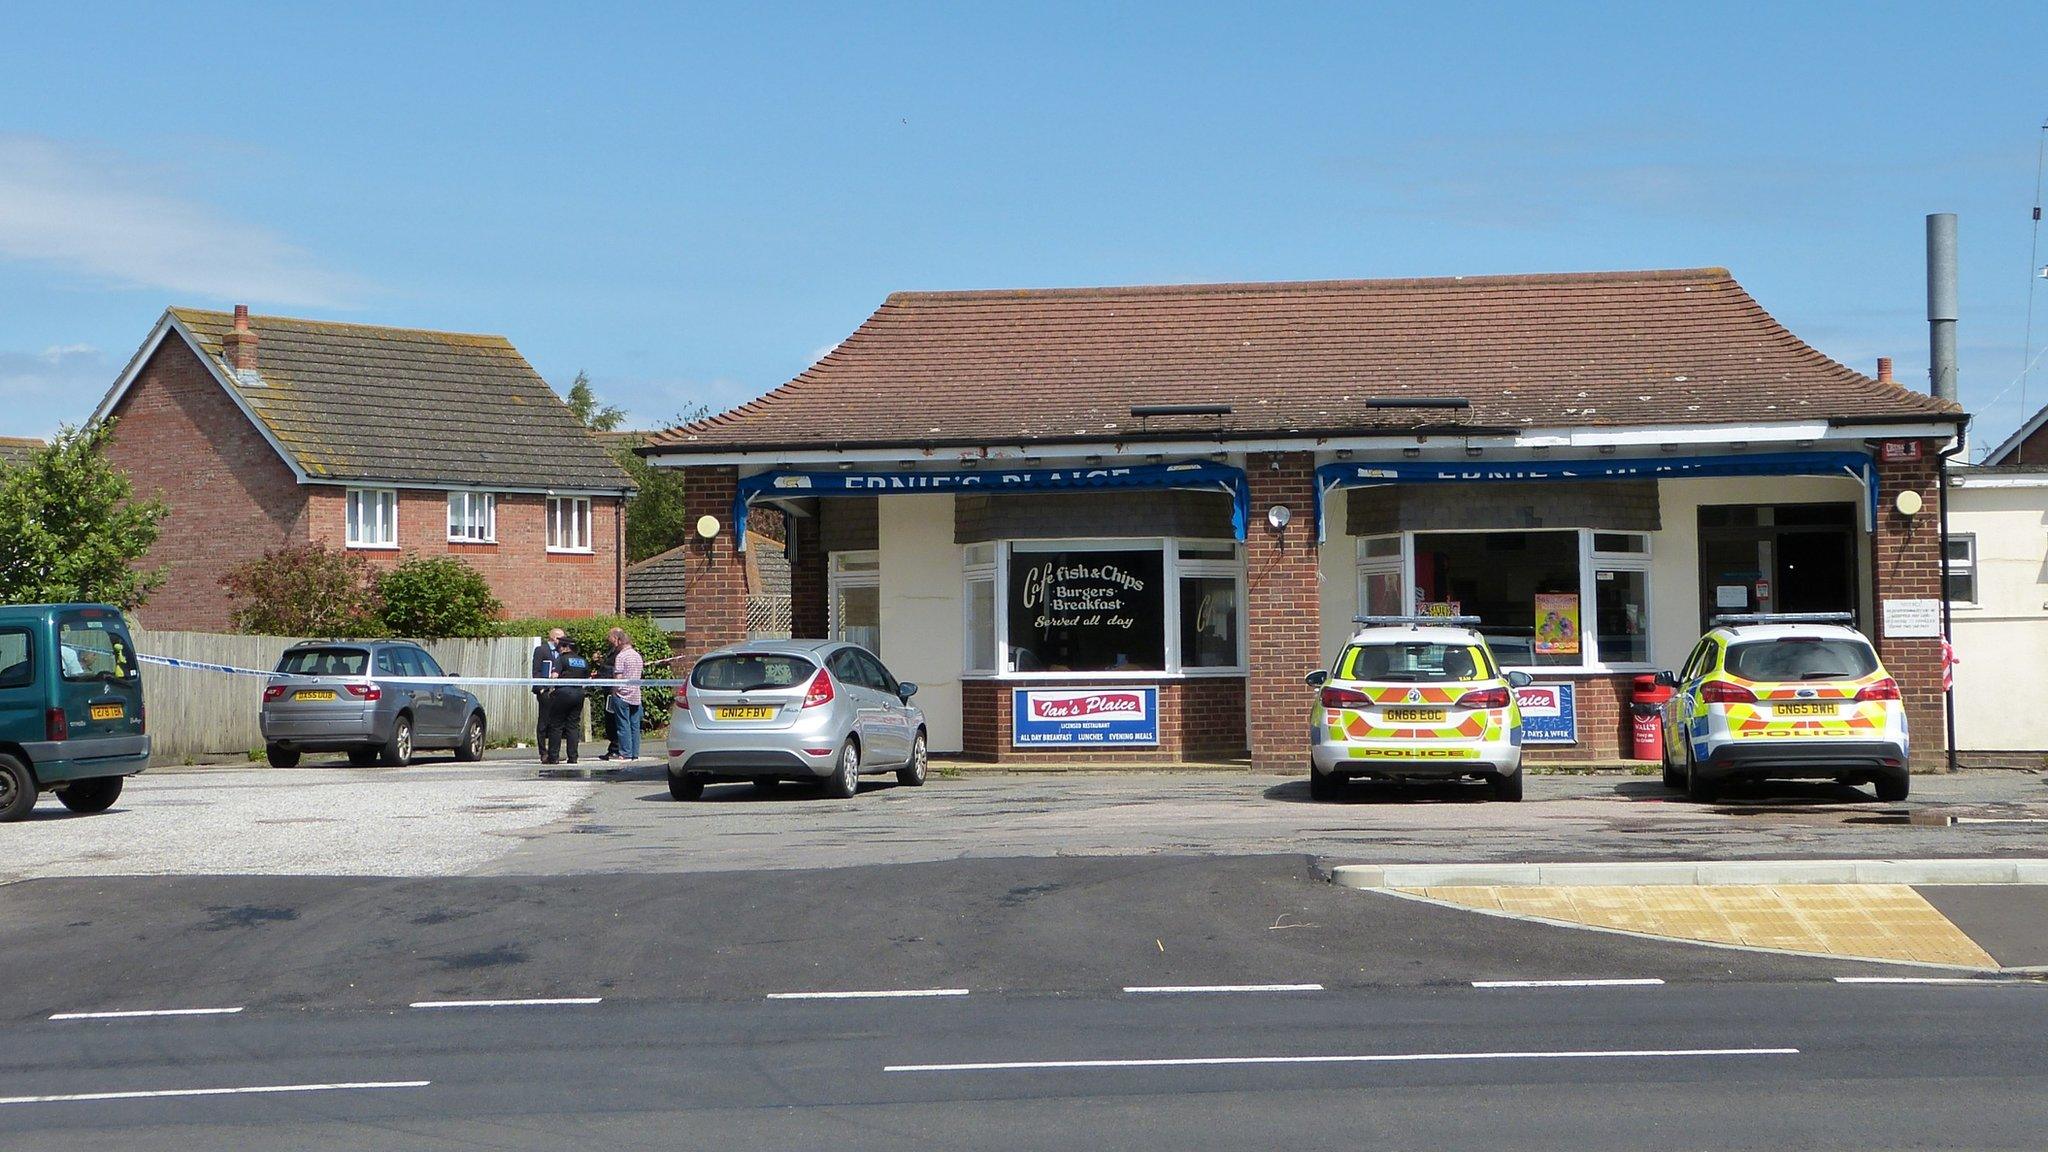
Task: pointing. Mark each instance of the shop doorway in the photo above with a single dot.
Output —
(1777, 558)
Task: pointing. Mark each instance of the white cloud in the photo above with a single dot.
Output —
(105, 216)
(59, 385)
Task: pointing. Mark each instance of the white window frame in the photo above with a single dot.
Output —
(1590, 562)
(859, 569)
(470, 513)
(1173, 567)
(571, 535)
(979, 564)
(1400, 564)
(1967, 566)
(372, 508)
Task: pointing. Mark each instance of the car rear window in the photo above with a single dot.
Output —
(751, 671)
(1414, 662)
(94, 646)
(324, 662)
(1801, 658)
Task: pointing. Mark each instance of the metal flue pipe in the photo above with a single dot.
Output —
(1941, 305)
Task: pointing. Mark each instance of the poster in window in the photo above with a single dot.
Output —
(1557, 623)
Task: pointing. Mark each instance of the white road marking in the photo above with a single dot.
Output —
(1629, 983)
(150, 1012)
(903, 993)
(263, 1089)
(1387, 1058)
(1924, 980)
(535, 1003)
(1228, 988)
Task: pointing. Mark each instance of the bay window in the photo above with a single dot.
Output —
(1103, 608)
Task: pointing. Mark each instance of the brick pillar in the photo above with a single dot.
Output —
(715, 582)
(1906, 556)
(807, 616)
(1282, 610)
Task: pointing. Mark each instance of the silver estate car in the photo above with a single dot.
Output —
(770, 710)
(374, 723)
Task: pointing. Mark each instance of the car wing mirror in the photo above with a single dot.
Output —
(906, 690)
(1667, 679)
(1520, 679)
(1316, 678)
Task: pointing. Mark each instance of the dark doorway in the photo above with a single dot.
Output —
(1777, 558)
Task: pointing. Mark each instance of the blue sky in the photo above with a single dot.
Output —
(692, 204)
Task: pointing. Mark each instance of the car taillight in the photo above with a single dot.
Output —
(364, 691)
(682, 700)
(821, 690)
(273, 692)
(1334, 697)
(55, 725)
(1722, 692)
(1885, 689)
(1484, 698)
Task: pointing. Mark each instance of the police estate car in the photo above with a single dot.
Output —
(1784, 697)
(1416, 696)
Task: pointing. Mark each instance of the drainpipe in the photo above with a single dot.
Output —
(1941, 381)
(619, 555)
(1948, 695)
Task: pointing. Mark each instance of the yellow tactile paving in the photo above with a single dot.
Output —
(1874, 921)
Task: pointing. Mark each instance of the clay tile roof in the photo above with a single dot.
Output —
(1601, 348)
(358, 402)
(15, 449)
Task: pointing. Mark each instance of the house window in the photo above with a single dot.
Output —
(1962, 568)
(372, 518)
(473, 517)
(855, 599)
(568, 524)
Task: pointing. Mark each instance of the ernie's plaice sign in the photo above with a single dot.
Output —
(1078, 717)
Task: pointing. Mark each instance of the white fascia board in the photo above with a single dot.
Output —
(1965, 481)
(164, 327)
(1388, 444)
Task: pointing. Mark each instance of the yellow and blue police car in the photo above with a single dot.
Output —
(1797, 696)
(1416, 697)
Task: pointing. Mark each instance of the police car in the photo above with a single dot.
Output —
(1416, 697)
(1784, 697)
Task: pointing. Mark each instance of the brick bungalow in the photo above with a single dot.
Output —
(262, 431)
(1175, 499)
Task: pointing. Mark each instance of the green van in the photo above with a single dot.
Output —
(71, 718)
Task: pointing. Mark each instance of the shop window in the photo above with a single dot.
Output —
(1086, 610)
(979, 609)
(855, 599)
(1380, 591)
(1621, 544)
(1208, 621)
(1962, 568)
(1621, 615)
(1523, 586)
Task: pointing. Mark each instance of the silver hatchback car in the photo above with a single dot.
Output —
(770, 710)
(374, 723)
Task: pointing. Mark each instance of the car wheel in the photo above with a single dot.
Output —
(766, 785)
(397, 752)
(281, 757)
(17, 790)
(685, 787)
(845, 780)
(95, 795)
(472, 747)
(363, 757)
(1673, 778)
(1892, 789)
(1698, 788)
(1322, 786)
(1507, 786)
(912, 775)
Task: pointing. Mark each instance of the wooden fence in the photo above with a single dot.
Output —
(195, 713)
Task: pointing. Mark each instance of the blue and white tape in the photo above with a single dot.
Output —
(302, 678)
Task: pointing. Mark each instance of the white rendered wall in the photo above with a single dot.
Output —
(921, 607)
(1336, 577)
(2002, 641)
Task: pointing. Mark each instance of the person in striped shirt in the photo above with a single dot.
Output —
(624, 702)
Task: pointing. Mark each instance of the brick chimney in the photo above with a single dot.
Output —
(239, 345)
(1884, 370)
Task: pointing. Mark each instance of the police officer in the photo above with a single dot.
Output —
(543, 668)
(562, 707)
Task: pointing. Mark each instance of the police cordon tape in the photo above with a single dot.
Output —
(304, 678)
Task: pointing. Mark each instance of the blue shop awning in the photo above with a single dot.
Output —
(1355, 474)
(1197, 475)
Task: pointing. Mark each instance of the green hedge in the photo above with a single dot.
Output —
(590, 632)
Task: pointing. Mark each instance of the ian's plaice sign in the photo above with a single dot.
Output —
(1549, 714)
(1078, 717)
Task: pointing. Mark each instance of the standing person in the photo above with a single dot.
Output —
(543, 669)
(607, 714)
(564, 703)
(625, 699)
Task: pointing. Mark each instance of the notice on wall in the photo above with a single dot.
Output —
(1549, 714)
(1557, 623)
(1079, 717)
(1731, 595)
(1909, 618)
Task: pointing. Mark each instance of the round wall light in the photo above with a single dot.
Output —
(1908, 503)
(1279, 516)
(707, 526)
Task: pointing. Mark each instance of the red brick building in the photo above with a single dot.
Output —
(1171, 501)
(262, 431)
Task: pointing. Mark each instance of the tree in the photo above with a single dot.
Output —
(438, 597)
(305, 590)
(594, 413)
(70, 527)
